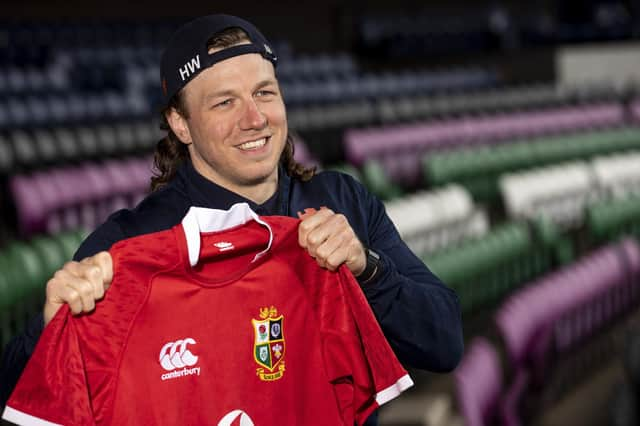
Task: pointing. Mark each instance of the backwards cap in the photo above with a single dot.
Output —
(187, 54)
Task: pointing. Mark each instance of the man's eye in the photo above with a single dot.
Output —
(264, 93)
(223, 103)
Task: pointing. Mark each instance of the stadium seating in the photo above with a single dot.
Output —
(478, 168)
(416, 140)
(558, 312)
(612, 219)
(618, 175)
(563, 192)
(25, 268)
(479, 385)
(559, 193)
(80, 196)
(433, 220)
(484, 270)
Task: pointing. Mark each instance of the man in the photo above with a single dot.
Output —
(227, 143)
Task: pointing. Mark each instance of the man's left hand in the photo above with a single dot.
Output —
(330, 240)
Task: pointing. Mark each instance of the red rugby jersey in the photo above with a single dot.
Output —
(221, 320)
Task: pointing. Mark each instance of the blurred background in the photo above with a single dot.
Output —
(503, 137)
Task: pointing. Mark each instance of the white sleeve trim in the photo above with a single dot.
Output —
(394, 390)
(24, 419)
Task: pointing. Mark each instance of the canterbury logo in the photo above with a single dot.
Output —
(243, 417)
(176, 355)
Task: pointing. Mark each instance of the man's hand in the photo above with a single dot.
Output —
(79, 284)
(330, 240)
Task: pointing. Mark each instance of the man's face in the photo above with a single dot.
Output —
(237, 124)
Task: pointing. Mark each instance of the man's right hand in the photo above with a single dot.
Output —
(79, 284)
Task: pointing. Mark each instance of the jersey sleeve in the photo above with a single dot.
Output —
(362, 367)
(53, 388)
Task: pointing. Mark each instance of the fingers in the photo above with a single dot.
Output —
(314, 228)
(329, 238)
(79, 284)
(101, 269)
(77, 292)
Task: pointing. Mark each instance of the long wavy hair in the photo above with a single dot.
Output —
(170, 153)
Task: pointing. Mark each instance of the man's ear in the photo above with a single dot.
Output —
(178, 124)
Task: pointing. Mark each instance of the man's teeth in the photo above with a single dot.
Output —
(253, 145)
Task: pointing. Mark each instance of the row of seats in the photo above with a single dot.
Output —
(384, 85)
(558, 192)
(562, 192)
(432, 220)
(492, 100)
(28, 149)
(396, 108)
(77, 196)
(72, 108)
(485, 269)
(25, 267)
(404, 145)
(479, 168)
(541, 324)
(403, 36)
(478, 30)
(610, 219)
(15, 81)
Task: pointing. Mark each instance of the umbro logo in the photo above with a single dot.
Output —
(174, 355)
(224, 246)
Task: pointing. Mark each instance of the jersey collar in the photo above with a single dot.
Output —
(200, 219)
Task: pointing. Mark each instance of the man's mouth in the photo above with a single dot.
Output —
(259, 143)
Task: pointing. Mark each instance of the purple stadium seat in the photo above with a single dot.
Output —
(418, 139)
(302, 154)
(559, 311)
(478, 381)
(52, 201)
(635, 109)
(26, 197)
(120, 177)
(72, 194)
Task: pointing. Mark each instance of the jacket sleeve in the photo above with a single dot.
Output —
(419, 315)
(19, 349)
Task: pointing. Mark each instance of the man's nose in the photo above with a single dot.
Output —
(252, 117)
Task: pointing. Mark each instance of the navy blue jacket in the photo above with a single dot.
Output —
(419, 315)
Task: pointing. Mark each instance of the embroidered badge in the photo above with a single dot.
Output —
(268, 347)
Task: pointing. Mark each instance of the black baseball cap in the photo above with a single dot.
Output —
(187, 55)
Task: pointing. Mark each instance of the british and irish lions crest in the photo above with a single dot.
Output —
(268, 347)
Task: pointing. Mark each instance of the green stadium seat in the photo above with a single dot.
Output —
(70, 241)
(51, 254)
(348, 169)
(24, 272)
(25, 268)
(376, 180)
(484, 270)
(611, 219)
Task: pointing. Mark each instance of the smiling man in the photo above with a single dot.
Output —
(234, 124)
(227, 142)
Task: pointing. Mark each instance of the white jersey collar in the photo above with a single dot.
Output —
(200, 219)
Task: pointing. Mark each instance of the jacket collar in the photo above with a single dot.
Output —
(204, 193)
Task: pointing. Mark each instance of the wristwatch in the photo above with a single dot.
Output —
(372, 268)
